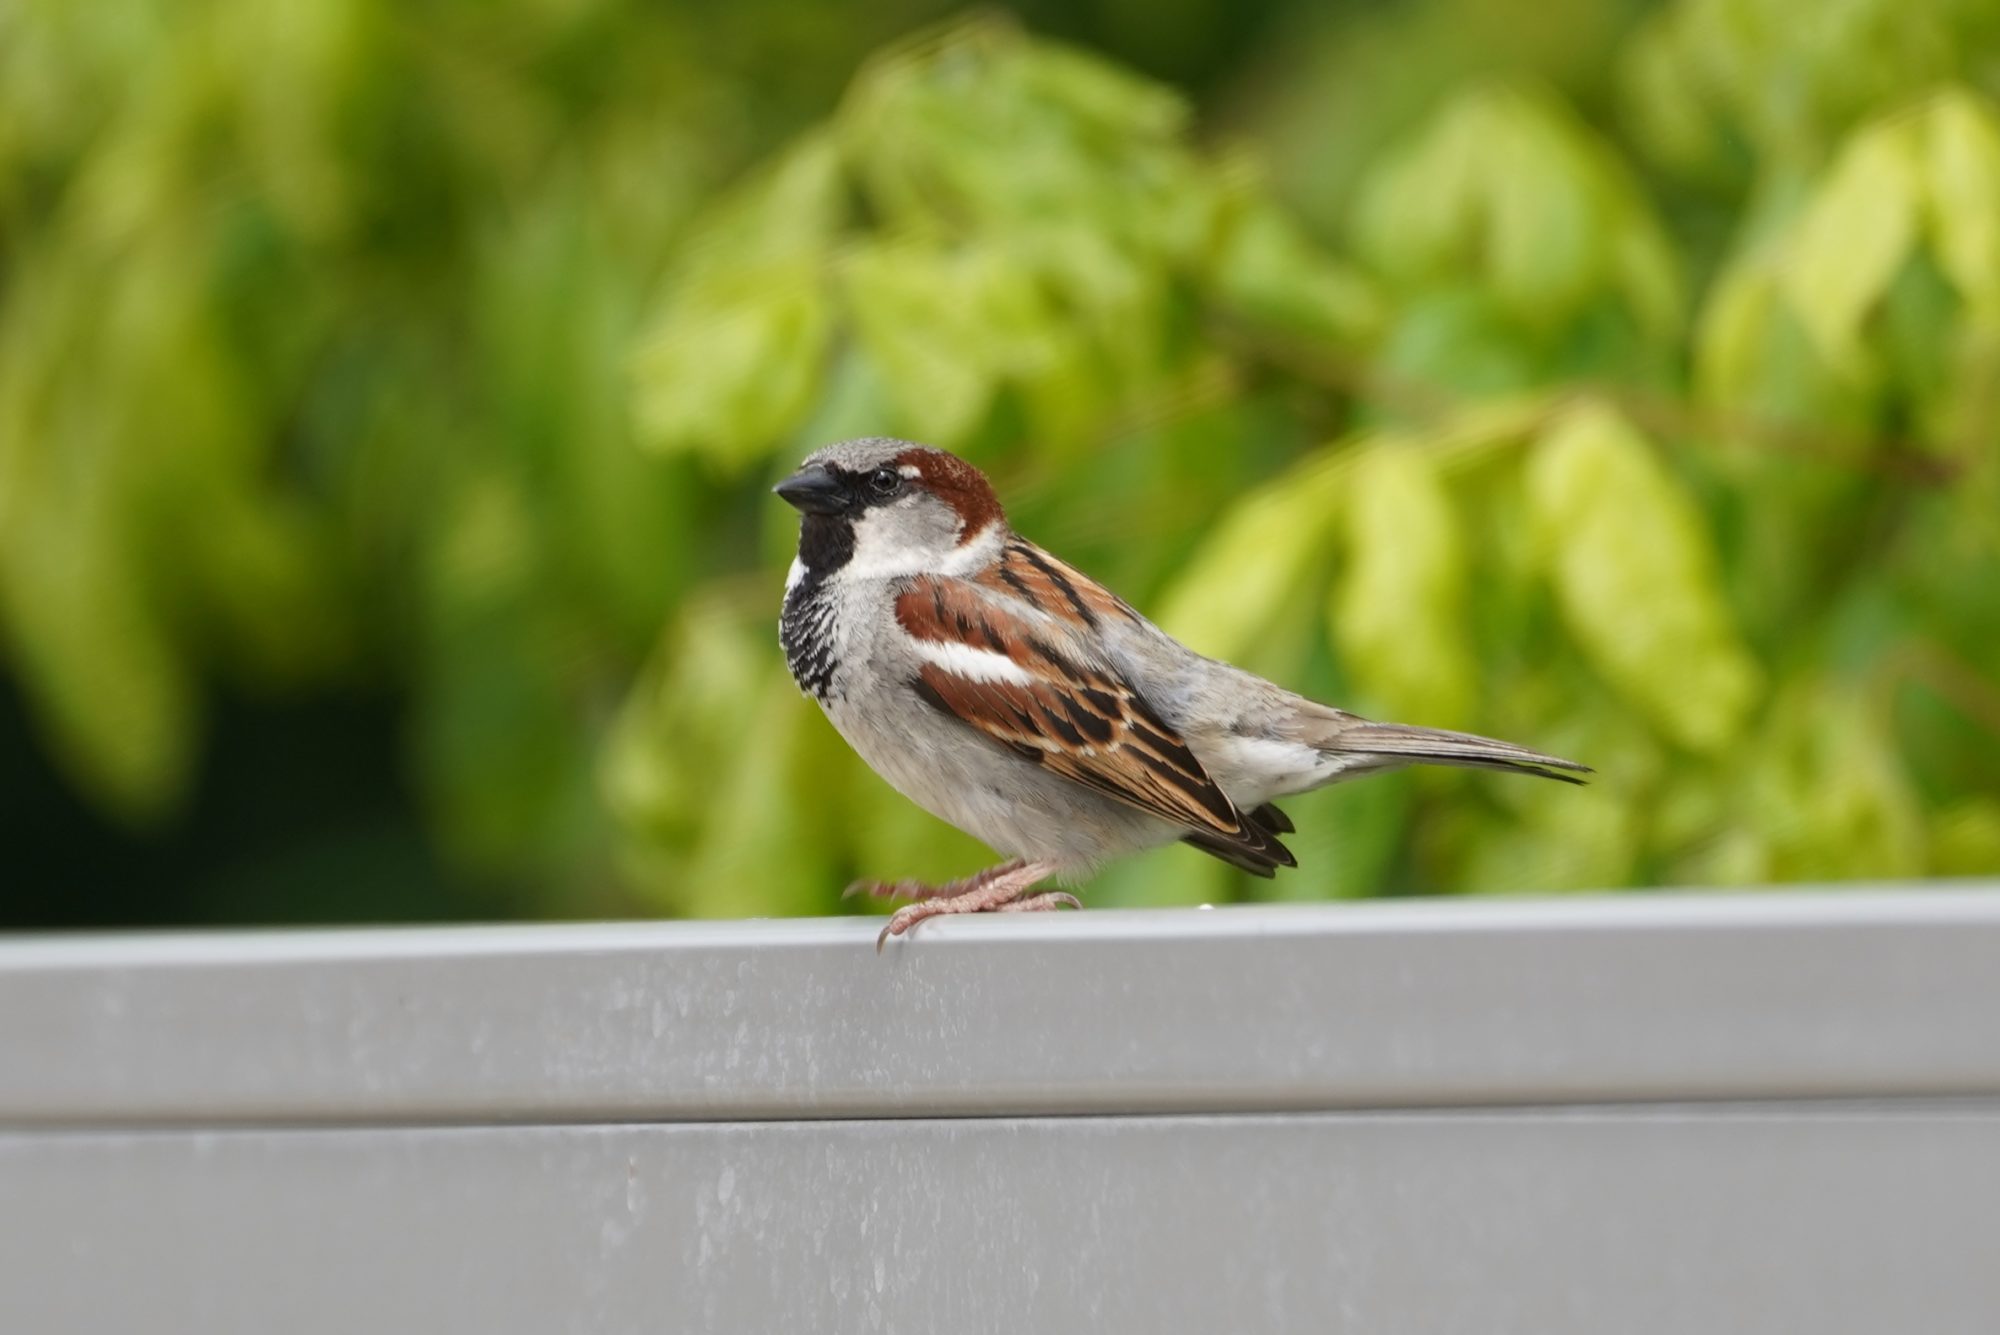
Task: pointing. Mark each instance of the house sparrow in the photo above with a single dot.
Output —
(1007, 693)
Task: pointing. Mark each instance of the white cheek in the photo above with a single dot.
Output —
(878, 554)
(880, 560)
(982, 550)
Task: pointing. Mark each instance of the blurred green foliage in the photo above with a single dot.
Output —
(1624, 384)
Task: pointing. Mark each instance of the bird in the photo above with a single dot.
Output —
(1009, 694)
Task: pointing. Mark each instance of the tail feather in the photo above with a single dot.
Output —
(1435, 746)
(1261, 857)
(1272, 819)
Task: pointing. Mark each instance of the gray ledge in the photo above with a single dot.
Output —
(1853, 994)
(1519, 1222)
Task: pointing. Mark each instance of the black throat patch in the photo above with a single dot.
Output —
(826, 543)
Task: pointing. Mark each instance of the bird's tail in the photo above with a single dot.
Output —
(1403, 743)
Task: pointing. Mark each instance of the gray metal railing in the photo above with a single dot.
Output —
(1649, 1113)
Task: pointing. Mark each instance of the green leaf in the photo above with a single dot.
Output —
(676, 729)
(975, 130)
(1755, 360)
(1730, 340)
(1965, 838)
(115, 695)
(1547, 224)
(496, 740)
(1398, 611)
(1258, 559)
(105, 391)
(312, 59)
(1854, 235)
(755, 791)
(1646, 272)
(1962, 180)
(1636, 578)
(732, 362)
(1556, 840)
(1665, 102)
(1507, 187)
(1416, 215)
(734, 368)
(1103, 97)
(1782, 86)
(1826, 789)
(1270, 272)
(918, 312)
(1456, 340)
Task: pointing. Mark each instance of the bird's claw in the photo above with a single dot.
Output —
(899, 922)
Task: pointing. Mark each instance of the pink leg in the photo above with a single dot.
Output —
(917, 890)
(1054, 899)
(1000, 889)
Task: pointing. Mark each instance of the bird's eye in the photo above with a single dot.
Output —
(885, 481)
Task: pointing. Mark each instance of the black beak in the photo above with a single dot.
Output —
(815, 491)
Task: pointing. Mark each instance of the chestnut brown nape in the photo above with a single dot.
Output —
(958, 484)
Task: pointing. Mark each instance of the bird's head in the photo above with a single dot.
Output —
(879, 508)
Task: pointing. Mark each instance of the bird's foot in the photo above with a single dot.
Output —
(918, 890)
(1044, 903)
(999, 890)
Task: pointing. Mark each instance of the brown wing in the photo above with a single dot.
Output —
(1010, 670)
(1042, 581)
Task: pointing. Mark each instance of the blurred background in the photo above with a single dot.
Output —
(390, 394)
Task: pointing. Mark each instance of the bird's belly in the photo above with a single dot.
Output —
(1011, 804)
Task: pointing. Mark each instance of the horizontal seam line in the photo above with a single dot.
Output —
(1985, 1103)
